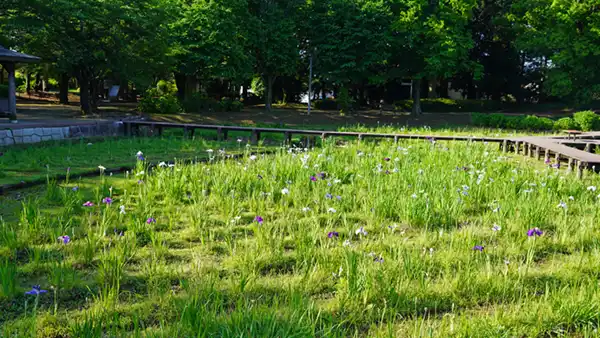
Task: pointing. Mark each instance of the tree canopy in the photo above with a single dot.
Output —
(521, 50)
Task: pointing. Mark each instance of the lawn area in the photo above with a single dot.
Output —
(34, 162)
(372, 239)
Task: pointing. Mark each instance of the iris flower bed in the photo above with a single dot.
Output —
(377, 239)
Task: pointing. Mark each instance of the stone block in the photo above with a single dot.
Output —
(46, 131)
(27, 139)
(18, 139)
(47, 138)
(17, 132)
(36, 138)
(28, 132)
(8, 141)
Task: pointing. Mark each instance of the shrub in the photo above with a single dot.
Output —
(237, 106)
(166, 87)
(587, 120)
(326, 104)
(227, 105)
(522, 122)
(344, 101)
(197, 103)
(514, 122)
(566, 123)
(153, 102)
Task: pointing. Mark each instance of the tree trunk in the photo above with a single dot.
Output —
(444, 88)
(416, 96)
(269, 80)
(84, 93)
(245, 92)
(94, 84)
(191, 84)
(38, 82)
(28, 82)
(180, 83)
(63, 95)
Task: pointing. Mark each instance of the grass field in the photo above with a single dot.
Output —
(415, 239)
(34, 162)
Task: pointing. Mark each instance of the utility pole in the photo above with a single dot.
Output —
(310, 82)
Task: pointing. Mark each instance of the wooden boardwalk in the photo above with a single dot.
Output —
(556, 149)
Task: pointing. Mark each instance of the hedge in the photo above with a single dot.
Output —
(586, 121)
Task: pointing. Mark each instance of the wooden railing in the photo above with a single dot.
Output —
(132, 127)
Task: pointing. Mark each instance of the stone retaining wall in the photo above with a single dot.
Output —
(40, 134)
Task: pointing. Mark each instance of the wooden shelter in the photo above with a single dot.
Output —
(9, 59)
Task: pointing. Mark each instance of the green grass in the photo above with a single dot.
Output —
(391, 257)
(34, 162)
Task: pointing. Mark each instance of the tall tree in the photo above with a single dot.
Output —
(432, 40)
(210, 39)
(274, 40)
(564, 37)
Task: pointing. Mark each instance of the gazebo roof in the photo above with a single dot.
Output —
(7, 55)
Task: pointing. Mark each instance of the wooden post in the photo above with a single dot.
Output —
(12, 89)
(359, 137)
(287, 138)
(557, 158)
(395, 139)
(219, 134)
(505, 146)
(323, 137)
(580, 167)
(546, 156)
(517, 147)
(570, 165)
(159, 130)
(255, 136)
(188, 132)
(538, 153)
(128, 129)
(225, 134)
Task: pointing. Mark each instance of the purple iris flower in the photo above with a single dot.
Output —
(328, 196)
(333, 234)
(141, 158)
(556, 166)
(478, 248)
(88, 204)
(339, 198)
(387, 159)
(64, 239)
(387, 172)
(75, 188)
(547, 161)
(378, 259)
(36, 290)
(534, 232)
(312, 178)
(322, 175)
(107, 200)
(150, 220)
(140, 182)
(259, 220)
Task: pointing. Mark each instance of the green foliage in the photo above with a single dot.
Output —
(566, 123)
(326, 104)
(229, 105)
(198, 102)
(344, 101)
(517, 122)
(587, 120)
(154, 102)
(166, 87)
(258, 86)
